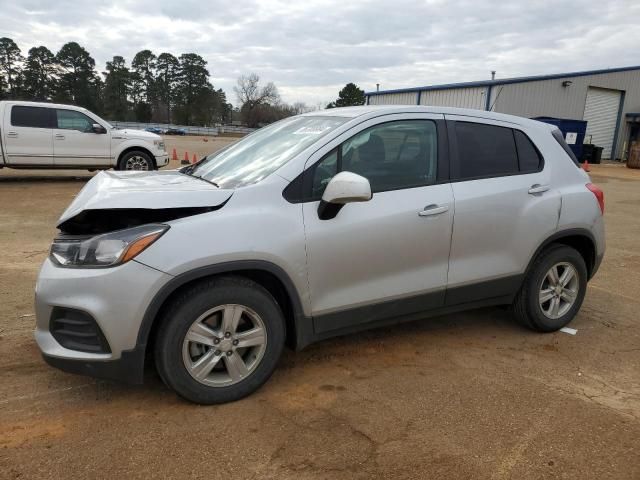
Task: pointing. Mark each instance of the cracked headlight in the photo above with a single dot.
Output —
(107, 250)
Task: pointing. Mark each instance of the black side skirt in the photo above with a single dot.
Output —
(493, 292)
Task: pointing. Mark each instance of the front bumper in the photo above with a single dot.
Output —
(116, 298)
(162, 160)
(129, 368)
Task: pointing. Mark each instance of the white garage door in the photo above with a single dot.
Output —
(601, 114)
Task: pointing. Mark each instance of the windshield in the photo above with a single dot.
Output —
(264, 151)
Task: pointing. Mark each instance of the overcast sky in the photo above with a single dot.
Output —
(311, 48)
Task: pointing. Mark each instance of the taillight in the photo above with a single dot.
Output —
(599, 195)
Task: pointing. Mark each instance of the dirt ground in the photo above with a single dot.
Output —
(469, 395)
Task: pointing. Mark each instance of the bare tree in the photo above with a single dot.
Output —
(250, 93)
(251, 96)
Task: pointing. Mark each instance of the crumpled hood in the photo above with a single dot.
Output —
(128, 133)
(110, 190)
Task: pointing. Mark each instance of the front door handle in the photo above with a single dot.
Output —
(12, 134)
(59, 137)
(433, 209)
(537, 188)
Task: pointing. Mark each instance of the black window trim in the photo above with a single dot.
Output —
(455, 159)
(50, 117)
(296, 191)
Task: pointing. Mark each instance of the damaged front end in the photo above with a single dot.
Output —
(117, 215)
(118, 200)
(94, 222)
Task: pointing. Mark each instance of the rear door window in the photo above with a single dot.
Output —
(31, 117)
(485, 150)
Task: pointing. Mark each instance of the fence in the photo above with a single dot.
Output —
(190, 130)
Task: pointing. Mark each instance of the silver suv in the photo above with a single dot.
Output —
(319, 225)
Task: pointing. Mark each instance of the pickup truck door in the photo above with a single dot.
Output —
(76, 144)
(27, 136)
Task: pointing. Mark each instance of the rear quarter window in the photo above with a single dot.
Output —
(557, 134)
(528, 155)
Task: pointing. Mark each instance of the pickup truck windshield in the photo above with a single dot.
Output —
(264, 151)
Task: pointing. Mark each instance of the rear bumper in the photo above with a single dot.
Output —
(596, 264)
(129, 368)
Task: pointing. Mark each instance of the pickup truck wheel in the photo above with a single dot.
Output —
(136, 160)
(553, 290)
(220, 340)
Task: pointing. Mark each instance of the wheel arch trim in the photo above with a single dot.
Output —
(301, 328)
(569, 232)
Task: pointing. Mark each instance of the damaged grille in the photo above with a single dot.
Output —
(77, 330)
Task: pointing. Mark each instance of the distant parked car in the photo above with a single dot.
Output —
(156, 130)
(175, 131)
(47, 135)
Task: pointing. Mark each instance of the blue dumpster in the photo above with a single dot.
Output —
(575, 128)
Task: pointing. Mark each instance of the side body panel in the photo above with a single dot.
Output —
(26, 145)
(498, 224)
(378, 251)
(77, 148)
(256, 223)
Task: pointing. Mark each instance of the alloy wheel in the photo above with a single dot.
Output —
(224, 345)
(136, 162)
(558, 290)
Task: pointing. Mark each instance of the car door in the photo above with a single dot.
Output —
(28, 135)
(387, 257)
(76, 144)
(504, 206)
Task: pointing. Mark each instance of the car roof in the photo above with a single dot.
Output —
(375, 110)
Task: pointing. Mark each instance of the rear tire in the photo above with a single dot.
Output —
(203, 357)
(553, 290)
(136, 160)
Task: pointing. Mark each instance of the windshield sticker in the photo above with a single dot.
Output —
(311, 130)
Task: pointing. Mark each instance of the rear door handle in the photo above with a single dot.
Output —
(433, 209)
(59, 137)
(12, 134)
(537, 188)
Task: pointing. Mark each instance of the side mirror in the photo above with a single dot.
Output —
(97, 128)
(345, 187)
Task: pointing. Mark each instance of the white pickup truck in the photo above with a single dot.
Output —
(46, 135)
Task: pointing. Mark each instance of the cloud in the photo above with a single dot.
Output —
(310, 49)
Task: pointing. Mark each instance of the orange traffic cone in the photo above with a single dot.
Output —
(194, 159)
(585, 166)
(175, 155)
(185, 161)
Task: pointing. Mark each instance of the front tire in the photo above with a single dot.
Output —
(136, 160)
(220, 340)
(553, 290)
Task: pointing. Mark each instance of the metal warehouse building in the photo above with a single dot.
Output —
(609, 100)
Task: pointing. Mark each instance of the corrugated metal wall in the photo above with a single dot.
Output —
(549, 98)
(536, 98)
(409, 98)
(472, 97)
